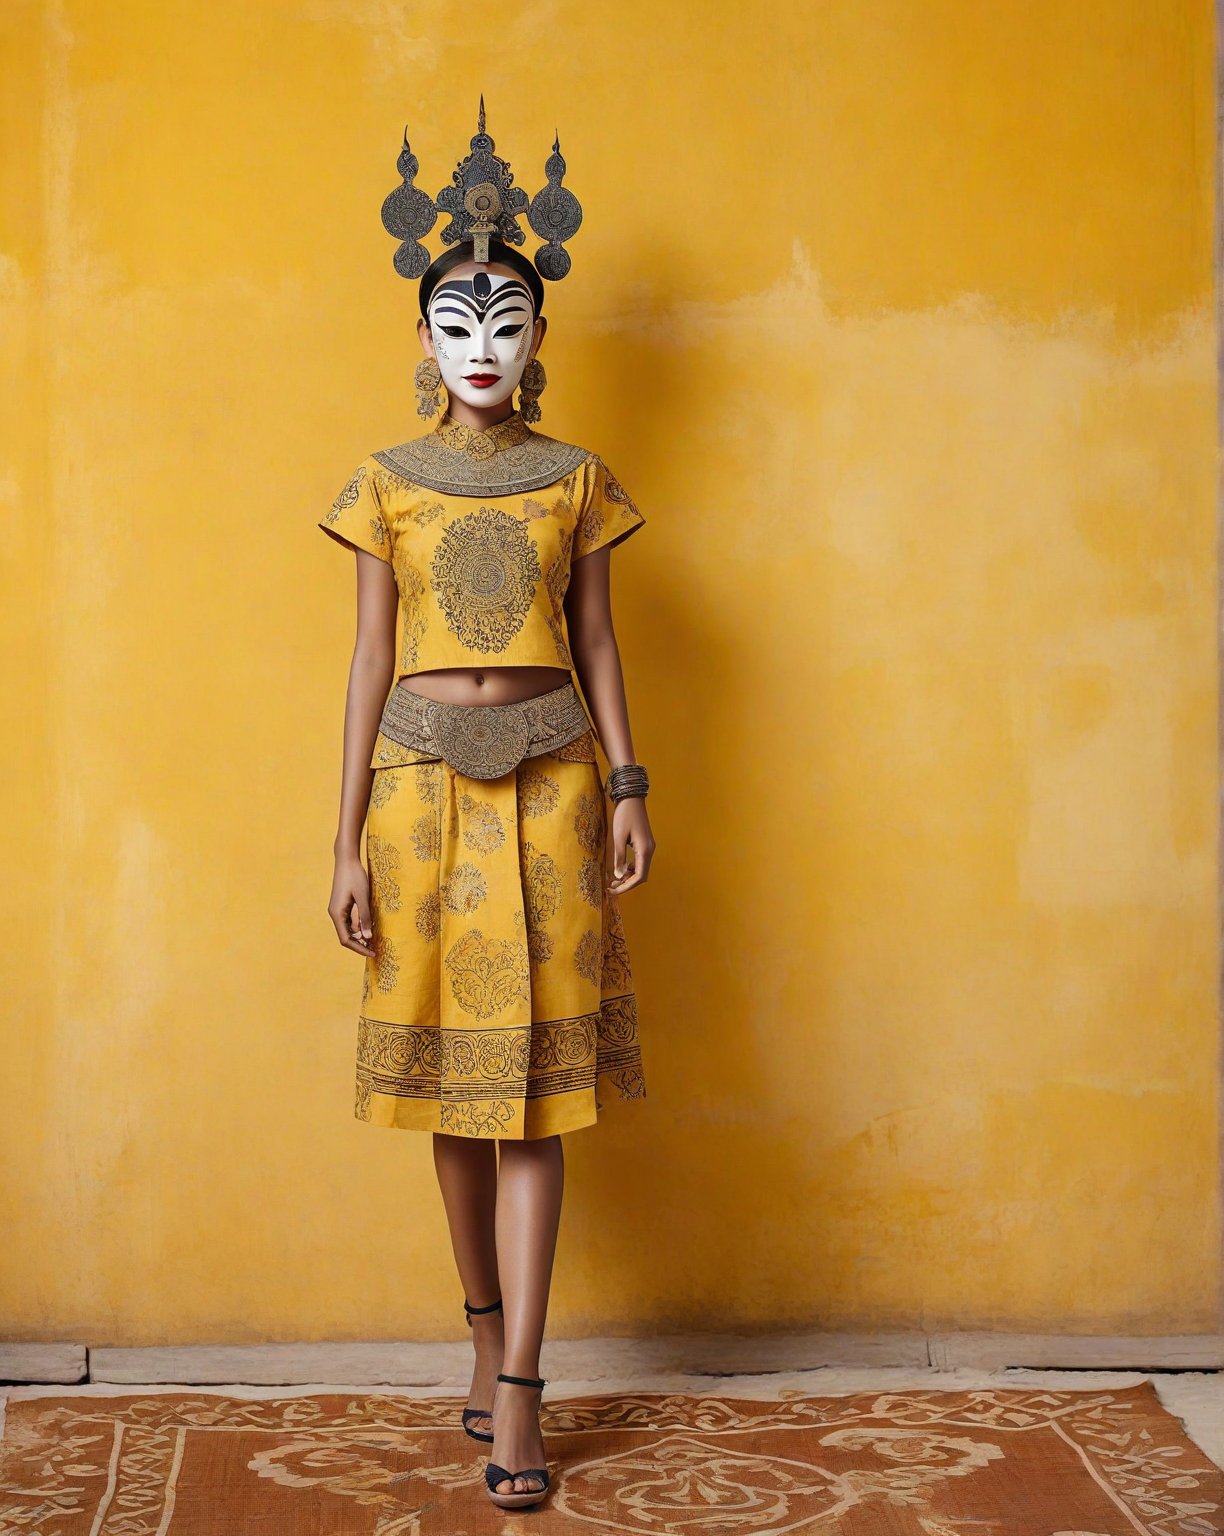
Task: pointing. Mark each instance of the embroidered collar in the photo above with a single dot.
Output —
(503, 460)
(482, 444)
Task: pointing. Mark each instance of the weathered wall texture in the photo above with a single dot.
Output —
(897, 321)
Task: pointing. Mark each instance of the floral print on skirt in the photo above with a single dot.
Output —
(499, 1000)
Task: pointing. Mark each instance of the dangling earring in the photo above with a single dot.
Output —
(531, 387)
(427, 378)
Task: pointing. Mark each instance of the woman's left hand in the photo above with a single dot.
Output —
(630, 829)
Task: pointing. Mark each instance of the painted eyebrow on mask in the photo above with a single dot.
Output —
(457, 298)
(495, 312)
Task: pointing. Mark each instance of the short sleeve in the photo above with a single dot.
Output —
(356, 517)
(608, 513)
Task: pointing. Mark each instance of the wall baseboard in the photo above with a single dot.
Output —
(44, 1362)
(1083, 1352)
(448, 1365)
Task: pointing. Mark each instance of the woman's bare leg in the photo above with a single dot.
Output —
(467, 1177)
(530, 1182)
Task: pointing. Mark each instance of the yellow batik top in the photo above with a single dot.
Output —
(481, 530)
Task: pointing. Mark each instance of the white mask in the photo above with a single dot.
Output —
(482, 325)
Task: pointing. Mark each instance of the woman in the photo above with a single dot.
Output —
(498, 996)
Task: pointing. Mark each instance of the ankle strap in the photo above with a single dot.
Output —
(492, 1307)
(522, 1381)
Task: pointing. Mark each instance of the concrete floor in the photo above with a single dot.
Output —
(1195, 1397)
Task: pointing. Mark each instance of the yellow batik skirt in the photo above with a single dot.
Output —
(499, 999)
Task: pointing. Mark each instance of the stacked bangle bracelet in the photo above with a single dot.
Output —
(628, 781)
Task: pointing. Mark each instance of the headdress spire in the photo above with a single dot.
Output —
(482, 202)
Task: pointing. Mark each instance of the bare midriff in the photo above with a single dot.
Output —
(484, 685)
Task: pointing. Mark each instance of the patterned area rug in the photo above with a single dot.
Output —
(996, 1462)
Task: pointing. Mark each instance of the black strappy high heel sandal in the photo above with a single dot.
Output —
(495, 1474)
(478, 1413)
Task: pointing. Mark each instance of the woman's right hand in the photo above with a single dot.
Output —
(349, 907)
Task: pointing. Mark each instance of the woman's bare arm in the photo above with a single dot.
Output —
(371, 674)
(596, 656)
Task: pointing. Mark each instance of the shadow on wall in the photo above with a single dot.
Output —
(710, 698)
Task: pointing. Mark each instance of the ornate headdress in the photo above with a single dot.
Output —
(482, 202)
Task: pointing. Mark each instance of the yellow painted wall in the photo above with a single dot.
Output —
(896, 317)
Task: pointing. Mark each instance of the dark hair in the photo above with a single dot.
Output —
(498, 251)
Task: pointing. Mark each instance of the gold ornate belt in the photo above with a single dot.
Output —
(484, 740)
